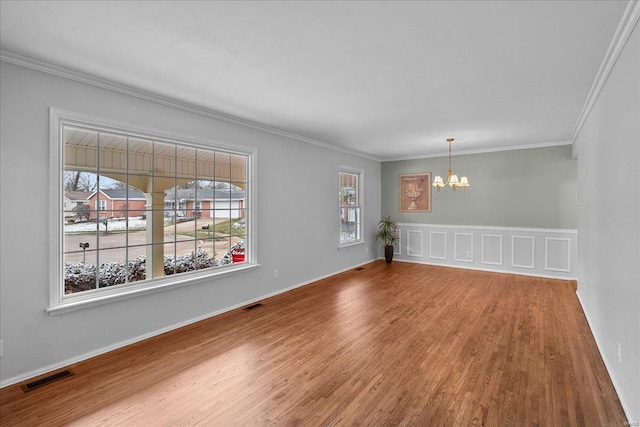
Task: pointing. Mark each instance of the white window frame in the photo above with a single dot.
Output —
(61, 303)
(101, 205)
(360, 206)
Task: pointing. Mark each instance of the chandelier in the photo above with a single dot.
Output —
(452, 180)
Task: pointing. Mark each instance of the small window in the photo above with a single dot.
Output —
(350, 206)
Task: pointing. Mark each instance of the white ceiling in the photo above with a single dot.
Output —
(390, 79)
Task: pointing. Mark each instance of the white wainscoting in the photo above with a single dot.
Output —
(529, 251)
(523, 251)
(437, 244)
(397, 246)
(414, 243)
(463, 244)
(492, 249)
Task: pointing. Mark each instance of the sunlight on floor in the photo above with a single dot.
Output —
(234, 370)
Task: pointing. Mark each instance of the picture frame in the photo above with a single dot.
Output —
(415, 192)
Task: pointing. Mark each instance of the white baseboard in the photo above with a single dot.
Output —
(607, 365)
(85, 356)
(488, 270)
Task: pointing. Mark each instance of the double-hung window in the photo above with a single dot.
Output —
(350, 206)
(161, 211)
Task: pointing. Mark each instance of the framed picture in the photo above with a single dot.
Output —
(415, 192)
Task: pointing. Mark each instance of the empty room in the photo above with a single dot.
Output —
(320, 213)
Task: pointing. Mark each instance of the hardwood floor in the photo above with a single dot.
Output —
(400, 344)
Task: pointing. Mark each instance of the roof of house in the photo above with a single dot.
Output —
(134, 194)
(77, 195)
(177, 194)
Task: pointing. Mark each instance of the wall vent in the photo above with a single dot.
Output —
(46, 380)
(252, 306)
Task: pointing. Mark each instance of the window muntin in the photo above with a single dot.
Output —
(349, 206)
(158, 208)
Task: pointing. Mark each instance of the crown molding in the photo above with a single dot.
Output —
(480, 151)
(623, 32)
(627, 23)
(162, 100)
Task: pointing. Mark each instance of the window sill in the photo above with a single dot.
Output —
(112, 294)
(348, 245)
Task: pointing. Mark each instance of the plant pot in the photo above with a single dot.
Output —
(237, 257)
(388, 253)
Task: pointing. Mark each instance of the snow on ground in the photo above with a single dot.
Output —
(116, 224)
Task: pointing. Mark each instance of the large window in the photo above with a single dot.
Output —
(349, 205)
(160, 211)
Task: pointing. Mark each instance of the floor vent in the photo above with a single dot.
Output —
(46, 380)
(252, 306)
(359, 268)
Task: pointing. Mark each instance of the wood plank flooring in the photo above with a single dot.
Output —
(390, 345)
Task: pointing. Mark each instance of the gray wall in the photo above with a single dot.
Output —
(297, 223)
(608, 149)
(534, 188)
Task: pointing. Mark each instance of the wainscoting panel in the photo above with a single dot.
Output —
(523, 252)
(557, 254)
(437, 245)
(528, 251)
(492, 249)
(397, 246)
(414, 243)
(463, 244)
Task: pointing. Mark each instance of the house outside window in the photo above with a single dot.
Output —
(350, 205)
(138, 234)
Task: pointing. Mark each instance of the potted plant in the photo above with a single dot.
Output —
(388, 235)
